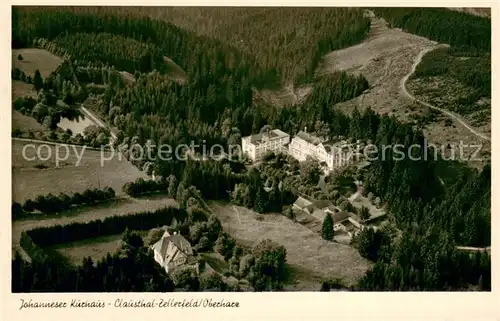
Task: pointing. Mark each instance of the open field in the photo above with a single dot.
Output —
(121, 206)
(96, 248)
(285, 96)
(175, 71)
(25, 123)
(71, 175)
(22, 89)
(310, 258)
(481, 12)
(386, 59)
(127, 77)
(34, 59)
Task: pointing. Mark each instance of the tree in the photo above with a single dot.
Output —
(225, 246)
(196, 230)
(321, 129)
(37, 80)
(372, 245)
(186, 279)
(260, 204)
(17, 210)
(172, 186)
(132, 238)
(20, 57)
(130, 244)
(212, 283)
(310, 171)
(226, 127)
(364, 213)
(68, 98)
(195, 212)
(327, 229)
(290, 213)
(155, 235)
(234, 139)
(268, 271)
(214, 227)
(39, 112)
(275, 204)
(203, 245)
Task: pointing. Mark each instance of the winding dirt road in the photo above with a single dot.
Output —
(444, 111)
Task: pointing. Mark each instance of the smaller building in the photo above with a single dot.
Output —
(347, 222)
(256, 146)
(303, 204)
(174, 251)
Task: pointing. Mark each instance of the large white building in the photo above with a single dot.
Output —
(256, 146)
(303, 145)
(333, 154)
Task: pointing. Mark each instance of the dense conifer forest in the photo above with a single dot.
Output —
(215, 105)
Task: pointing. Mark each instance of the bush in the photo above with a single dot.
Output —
(186, 279)
(141, 186)
(197, 214)
(268, 271)
(155, 235)
(196, 231)
(246, 263)
(225, 245)
(17, 210)
(49, 203)
(212, 283)
(204, 245)
(364, 213)
(201, 265)
(289, 213)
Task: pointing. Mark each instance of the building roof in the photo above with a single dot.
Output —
(338, 147)
(308, 138)
(179, 243)
(302, 202)
(272, 134)
(340, 216)
(348, 226)
(322, 204)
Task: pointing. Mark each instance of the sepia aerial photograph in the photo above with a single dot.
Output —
(250, 149)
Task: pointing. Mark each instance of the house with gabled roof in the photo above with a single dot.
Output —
(303, 204)
(173, 251)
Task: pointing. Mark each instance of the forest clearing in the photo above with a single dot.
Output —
(385, 59)
(310, 257)
(80, 171)
(33, 59)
